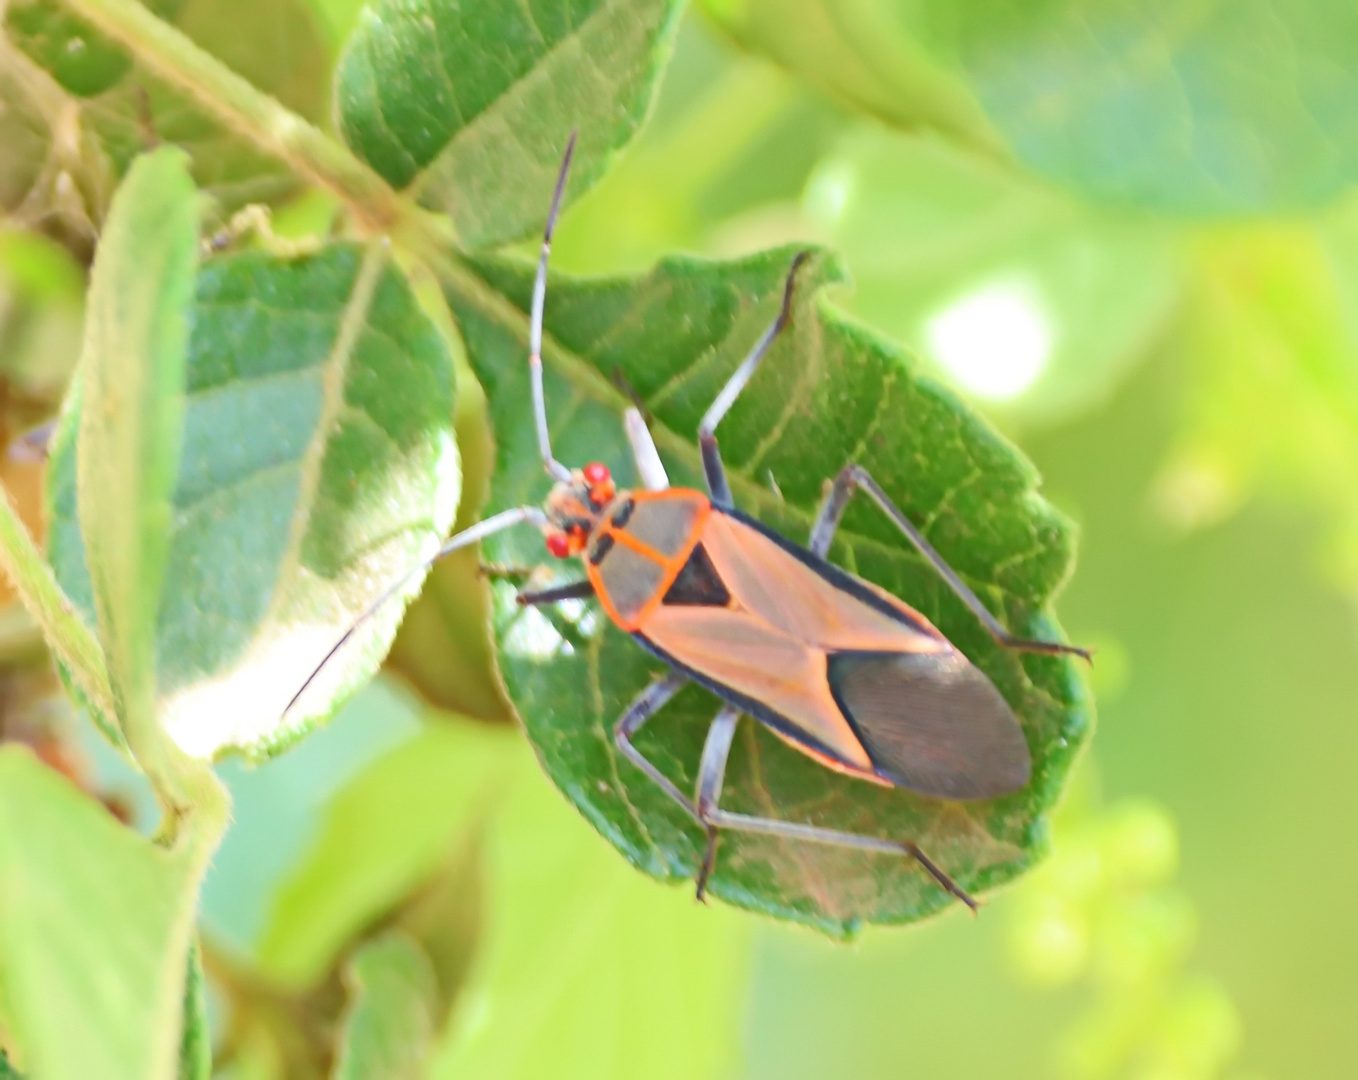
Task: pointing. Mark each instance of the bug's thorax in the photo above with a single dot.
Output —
(637, 546)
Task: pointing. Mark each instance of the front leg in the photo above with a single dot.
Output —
(853, 477)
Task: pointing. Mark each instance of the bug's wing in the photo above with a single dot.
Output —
(764, 672)
(931, 722)
(842, 671)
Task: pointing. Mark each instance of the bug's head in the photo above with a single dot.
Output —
(574, 507)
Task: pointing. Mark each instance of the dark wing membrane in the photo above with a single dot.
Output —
(931, 722)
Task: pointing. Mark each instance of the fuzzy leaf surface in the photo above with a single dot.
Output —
(134, 364)
(318, 466)
(829, 393)
(471, 101)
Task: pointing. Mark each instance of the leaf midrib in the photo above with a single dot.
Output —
(470, 124)
(353, 321)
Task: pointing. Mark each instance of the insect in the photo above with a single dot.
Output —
(835, 666)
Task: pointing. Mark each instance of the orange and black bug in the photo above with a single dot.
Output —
(838, 668)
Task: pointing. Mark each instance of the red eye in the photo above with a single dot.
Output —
(596, 472)
(559, 544)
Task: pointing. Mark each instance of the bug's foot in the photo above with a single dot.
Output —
(705, 869)
(1049, 648)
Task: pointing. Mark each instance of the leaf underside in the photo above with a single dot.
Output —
(830, 392)
(318, 466)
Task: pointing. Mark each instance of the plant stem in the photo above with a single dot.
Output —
(67, 635)
(255, 115)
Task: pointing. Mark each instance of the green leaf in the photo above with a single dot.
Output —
(133, 367)
(1072, 296)
(471, 103)
(73, 646)
(318, 466)
(830, 392)
(339, 17)
(858, 51)
(25, 129)
(588, 970)
(391, 1019)
(39, 268)
(384, 834)
(284, 54)
(80, 58)
(195, 1042)
(8, 1071)
(1232, 109)
(95, 923)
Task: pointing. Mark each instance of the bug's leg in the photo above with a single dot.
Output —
(506, 519)
(711, 774)
(713, 468)
(724, 819)
(554, 467)
(647, 704)
(572, 590)
(649, 466)
(854, 477)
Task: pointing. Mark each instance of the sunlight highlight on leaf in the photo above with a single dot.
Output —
(995, 341)
(532, 637)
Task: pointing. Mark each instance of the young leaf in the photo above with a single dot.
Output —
(829, 393)
(588, 971)
(391, 1020)
(318, 466)
(1242, 109)
(80, 58)
(472, 102)
(127, 457)
(95, 924)
(383, 835)
(857, 51)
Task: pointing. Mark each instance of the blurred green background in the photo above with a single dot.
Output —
(1176, 347)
